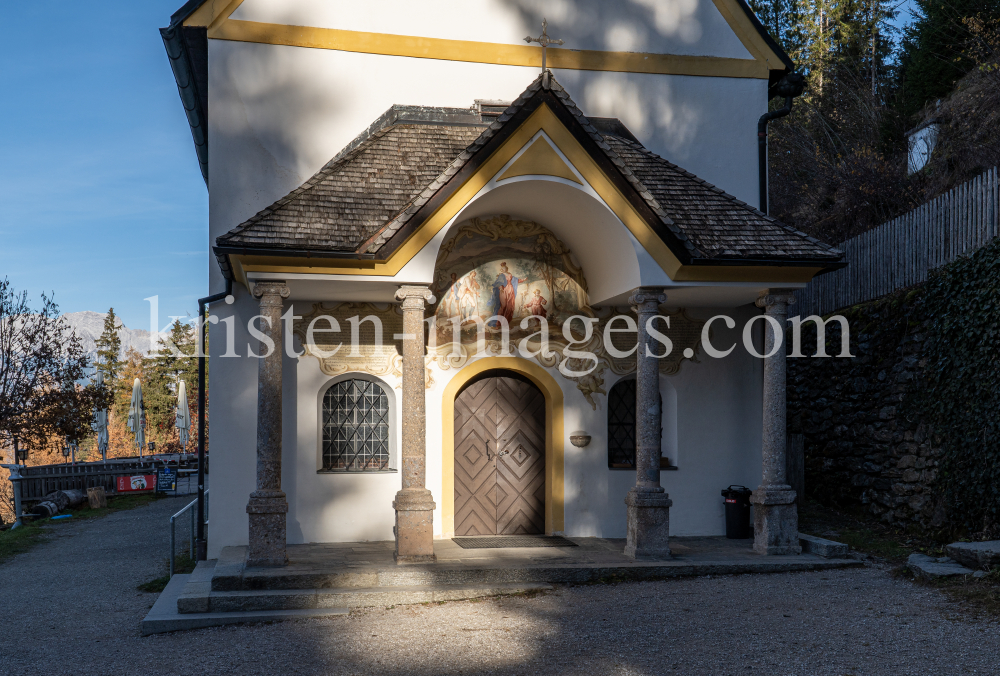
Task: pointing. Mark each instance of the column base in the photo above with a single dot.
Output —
(267, 530)
(414, 529)
(775, 521)
(648, 533)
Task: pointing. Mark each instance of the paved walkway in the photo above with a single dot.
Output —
(70, 606)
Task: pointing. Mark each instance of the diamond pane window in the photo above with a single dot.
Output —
(356, 427)
(621, 425)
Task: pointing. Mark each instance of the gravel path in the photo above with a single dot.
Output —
(70, 607)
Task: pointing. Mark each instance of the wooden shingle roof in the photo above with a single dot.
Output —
(369, 197)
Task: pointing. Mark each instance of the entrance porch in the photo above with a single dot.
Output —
(359, 574)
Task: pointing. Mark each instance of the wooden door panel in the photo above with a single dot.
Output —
(475, 466)
(500, 458)
(521, 458)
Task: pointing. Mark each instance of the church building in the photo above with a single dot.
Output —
(401, 195)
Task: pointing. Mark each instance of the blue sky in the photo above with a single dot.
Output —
(102, 199)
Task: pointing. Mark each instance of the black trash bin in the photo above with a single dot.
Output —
(737, 512)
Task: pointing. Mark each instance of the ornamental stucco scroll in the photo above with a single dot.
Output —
(496, 270)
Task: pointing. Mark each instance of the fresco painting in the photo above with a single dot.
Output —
(501, 267)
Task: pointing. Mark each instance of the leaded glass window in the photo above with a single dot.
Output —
(356, 427)
(621, 426)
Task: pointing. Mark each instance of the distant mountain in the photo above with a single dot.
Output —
(89, 326)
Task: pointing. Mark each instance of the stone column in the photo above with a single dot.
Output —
(267, 507)
(414, 504)
(776, 518)
(648, 505)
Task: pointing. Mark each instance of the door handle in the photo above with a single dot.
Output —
(489, 456)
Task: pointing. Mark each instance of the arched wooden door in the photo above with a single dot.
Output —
(500, 457)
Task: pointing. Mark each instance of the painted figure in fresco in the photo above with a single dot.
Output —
(451, 302)
(504, 299)
(469, 300)
(536, 304)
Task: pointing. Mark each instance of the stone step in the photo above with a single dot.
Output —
(164, 616)
(342, 597)
(409, 576)
(929, 568)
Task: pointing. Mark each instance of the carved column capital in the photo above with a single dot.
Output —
(775, 297)
(271, 292)
(647, 299)
(414, 297)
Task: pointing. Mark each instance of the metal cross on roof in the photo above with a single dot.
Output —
(544, 40)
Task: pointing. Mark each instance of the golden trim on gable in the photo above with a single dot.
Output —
(747, 33)
(495, 53)
(212, 13)
(539, 160)
(215, 15)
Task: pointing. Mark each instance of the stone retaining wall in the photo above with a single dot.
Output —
(860, 446)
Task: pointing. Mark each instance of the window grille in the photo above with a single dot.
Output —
(621, 427)
(356, 427)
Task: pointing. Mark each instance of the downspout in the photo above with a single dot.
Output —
(790, 86)
(201, 545)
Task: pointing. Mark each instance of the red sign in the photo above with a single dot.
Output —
(139, 482)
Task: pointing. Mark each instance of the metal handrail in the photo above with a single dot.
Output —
(173, 530)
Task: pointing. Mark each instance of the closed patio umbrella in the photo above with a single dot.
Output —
(137, 416)
(101, 424)
(183, 415)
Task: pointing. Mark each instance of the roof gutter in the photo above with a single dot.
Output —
(175, 40)
(222, 254)
(201, 546)
(790, 86)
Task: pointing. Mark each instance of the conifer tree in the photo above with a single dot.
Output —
(935, 50)
(109, 347)
(163, 370)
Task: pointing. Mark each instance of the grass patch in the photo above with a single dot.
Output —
(116, 503)
(860, 532)
(154, 586)
(979, 597)
(872, 542)
(20, 540)
(183, 563)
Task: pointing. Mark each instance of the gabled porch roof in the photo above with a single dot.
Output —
(381, 191)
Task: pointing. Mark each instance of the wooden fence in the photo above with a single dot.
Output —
(901, 252)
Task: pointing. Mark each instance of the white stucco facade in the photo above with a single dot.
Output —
(712, 433)
(278, 113)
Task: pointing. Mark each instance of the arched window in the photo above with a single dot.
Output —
(621, 426)
(356, 427)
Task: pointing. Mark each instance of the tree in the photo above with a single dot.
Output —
(172, 362)
(41, 364)
(833, 161)
(109, 348)
(938, 49)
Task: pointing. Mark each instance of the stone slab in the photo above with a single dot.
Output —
(297, 599)
(929, 568)
(229, 568)
(975, 554)
(324, 566)
(163, 616)
(828, 549)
